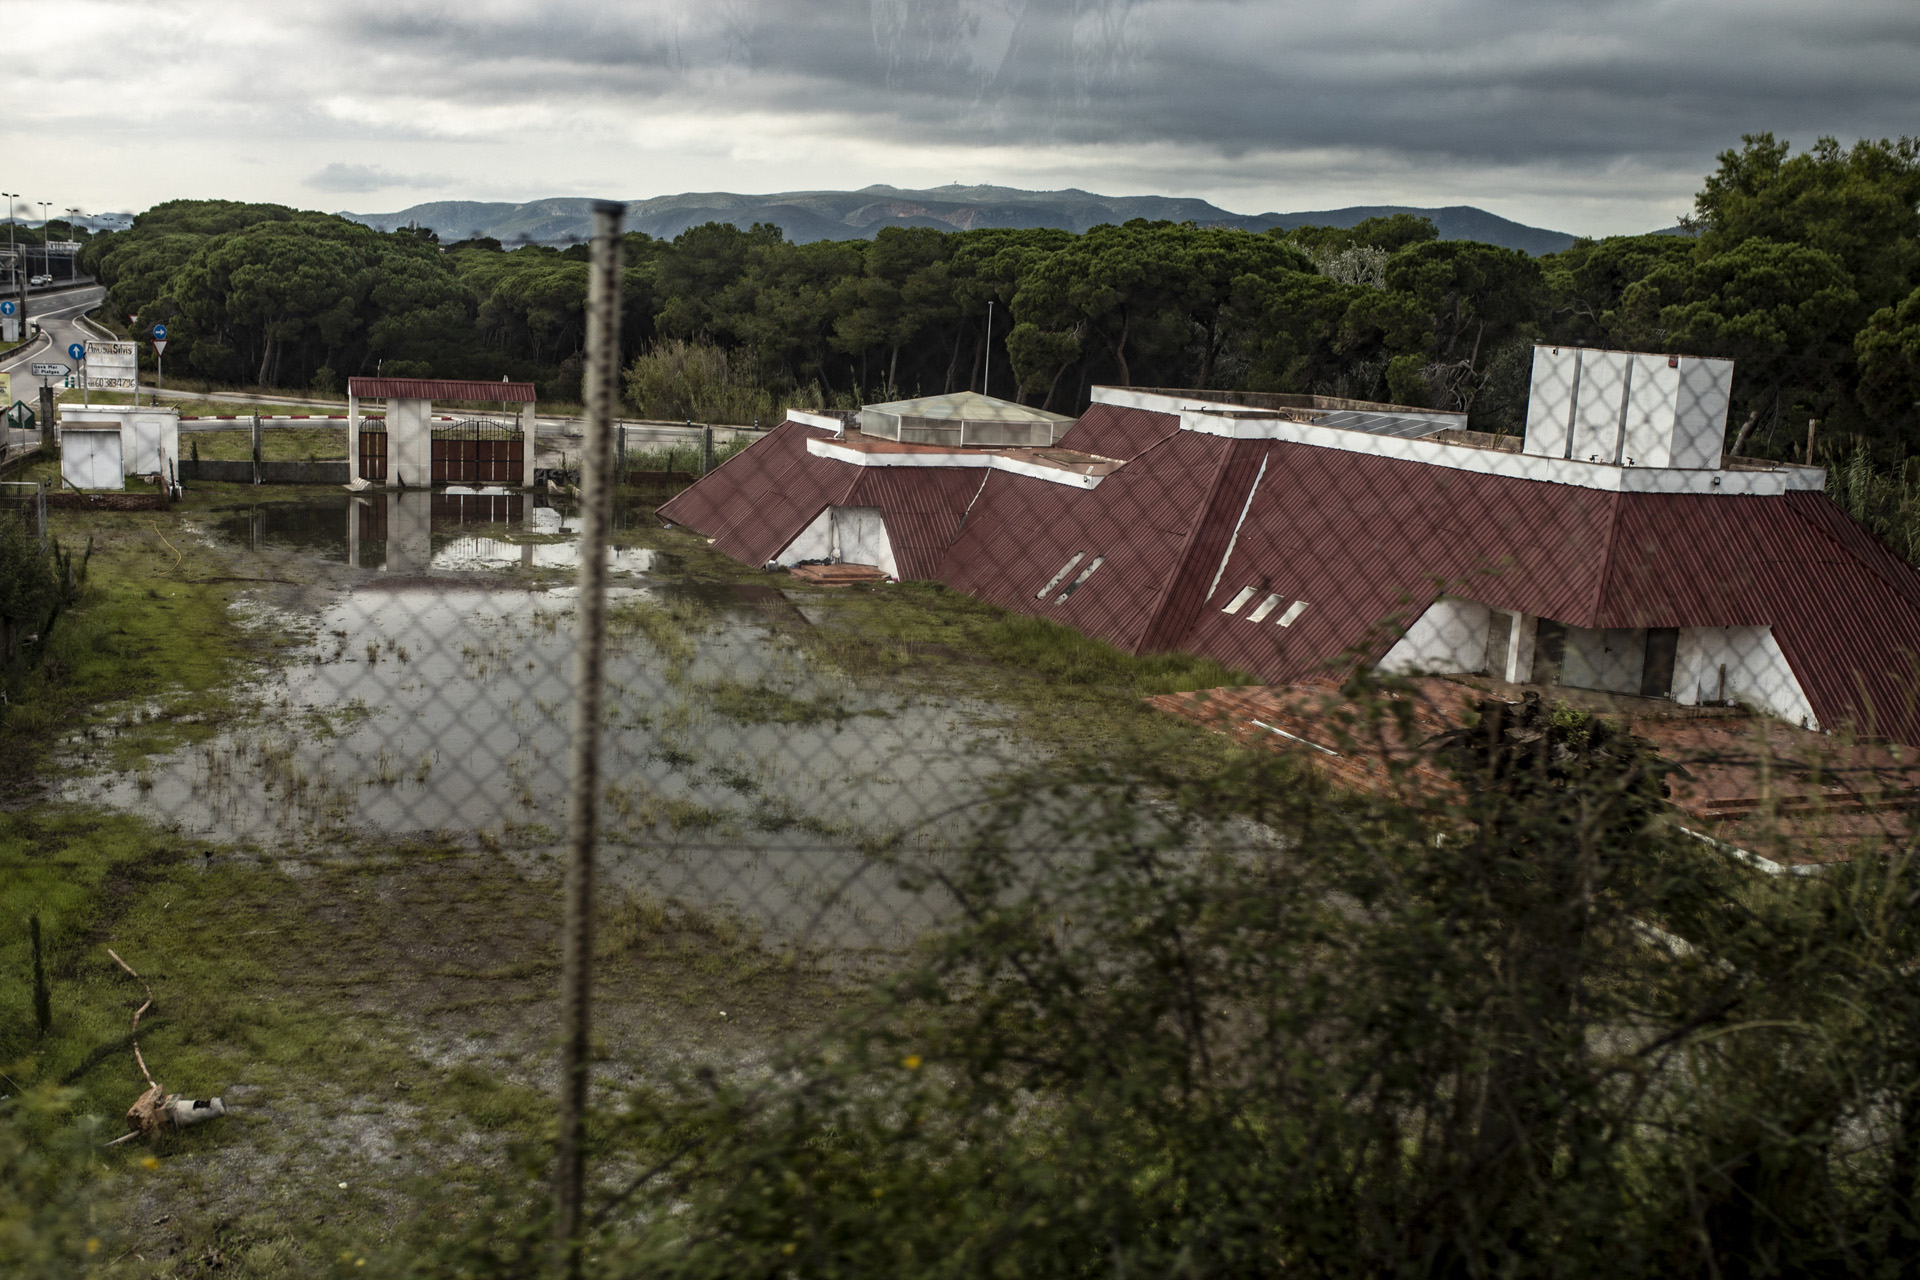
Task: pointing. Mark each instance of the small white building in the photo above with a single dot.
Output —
(101, 445)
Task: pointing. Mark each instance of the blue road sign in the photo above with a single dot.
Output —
(160, 331)
(8, 308)
(77, 352)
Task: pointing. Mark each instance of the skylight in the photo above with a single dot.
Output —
(1057, 578)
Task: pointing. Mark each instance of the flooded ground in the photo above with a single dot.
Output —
(431, 696)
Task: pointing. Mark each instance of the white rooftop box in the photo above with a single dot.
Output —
(1628, 407)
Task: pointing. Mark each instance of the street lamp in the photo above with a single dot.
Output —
(12, 259)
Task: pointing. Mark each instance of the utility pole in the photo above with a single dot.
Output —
(986, 367)
(576, 944)
(13, 256)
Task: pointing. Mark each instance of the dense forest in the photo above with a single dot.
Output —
(1804, 267)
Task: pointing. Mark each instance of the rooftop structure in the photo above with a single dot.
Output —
(1293, 536)
(962, 420)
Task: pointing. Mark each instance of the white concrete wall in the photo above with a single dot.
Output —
(1602, 399)
(845, 535)
(814, 543)
(1450, 638)
(1653, 387)
(1757, 672)
(409, 443)
(1701, 399)
(1550, 401)
(860, 537)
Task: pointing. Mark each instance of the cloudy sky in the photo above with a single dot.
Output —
(1592, 116)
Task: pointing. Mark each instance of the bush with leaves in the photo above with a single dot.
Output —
(1516, 1025)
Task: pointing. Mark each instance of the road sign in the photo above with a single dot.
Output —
(8, 308)
(112, 366)
(160, 332)
(76, 352)
(48, 370)
(159, 346)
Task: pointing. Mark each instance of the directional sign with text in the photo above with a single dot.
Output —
(43, 369)
(112, 366)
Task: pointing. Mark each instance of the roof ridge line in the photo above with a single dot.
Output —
(1163, 598)
(1606, 557)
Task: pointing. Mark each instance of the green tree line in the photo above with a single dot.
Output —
(1803, 267)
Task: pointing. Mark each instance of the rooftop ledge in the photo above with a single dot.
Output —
(1446, 444)
(1059, 466)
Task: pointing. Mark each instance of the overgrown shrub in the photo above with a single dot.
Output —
(1887, 501)
(38, 579)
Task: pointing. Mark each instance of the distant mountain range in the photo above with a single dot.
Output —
(853, 215)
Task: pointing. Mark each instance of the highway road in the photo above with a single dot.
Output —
(58, 315)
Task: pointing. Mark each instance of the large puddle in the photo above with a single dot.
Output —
(741, 772)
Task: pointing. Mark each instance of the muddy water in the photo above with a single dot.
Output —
(741, 774)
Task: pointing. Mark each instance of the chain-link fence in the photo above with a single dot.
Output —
(851, 924)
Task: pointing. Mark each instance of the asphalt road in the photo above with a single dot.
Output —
(58, 315)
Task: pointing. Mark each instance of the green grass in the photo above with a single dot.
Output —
(152, 621)
(277, 444)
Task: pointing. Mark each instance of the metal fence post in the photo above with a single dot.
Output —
(576, 957)
(256, 448)
(706, 449)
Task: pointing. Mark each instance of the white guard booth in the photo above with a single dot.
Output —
(149, 442)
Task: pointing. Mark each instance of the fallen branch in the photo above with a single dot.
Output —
(156, 1108)
(136, 1015)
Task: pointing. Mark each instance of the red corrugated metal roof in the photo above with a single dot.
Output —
(1367, 542)
(439, 389)
(1140, 520)
(1113, 432)
(1362, 539)
(922, 507)
(735, 501)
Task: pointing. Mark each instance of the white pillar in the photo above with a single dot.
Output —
(353, 437)
(527, 432)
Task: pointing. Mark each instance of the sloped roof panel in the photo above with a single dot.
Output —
(1111, 431)
(1139, 522)
(734, 489)
(439, 389)
(922, 508)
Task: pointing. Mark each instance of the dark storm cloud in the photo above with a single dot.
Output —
(1493, 82)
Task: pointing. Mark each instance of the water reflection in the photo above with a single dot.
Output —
(418, 531)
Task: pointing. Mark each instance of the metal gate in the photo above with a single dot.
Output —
(373, 451)
(477, 451)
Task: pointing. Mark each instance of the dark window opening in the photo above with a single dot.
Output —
(1656, 674)
(1549, 651)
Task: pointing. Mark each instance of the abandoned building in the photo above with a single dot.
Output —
(1614, 547)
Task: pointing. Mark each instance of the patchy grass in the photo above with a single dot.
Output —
(277, 444)
(153, 623)
(764, 704)
(383, 1019)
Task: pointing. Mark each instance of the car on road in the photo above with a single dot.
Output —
(39, 279)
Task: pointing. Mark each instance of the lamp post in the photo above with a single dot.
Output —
(12, 253)
(45, 260)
